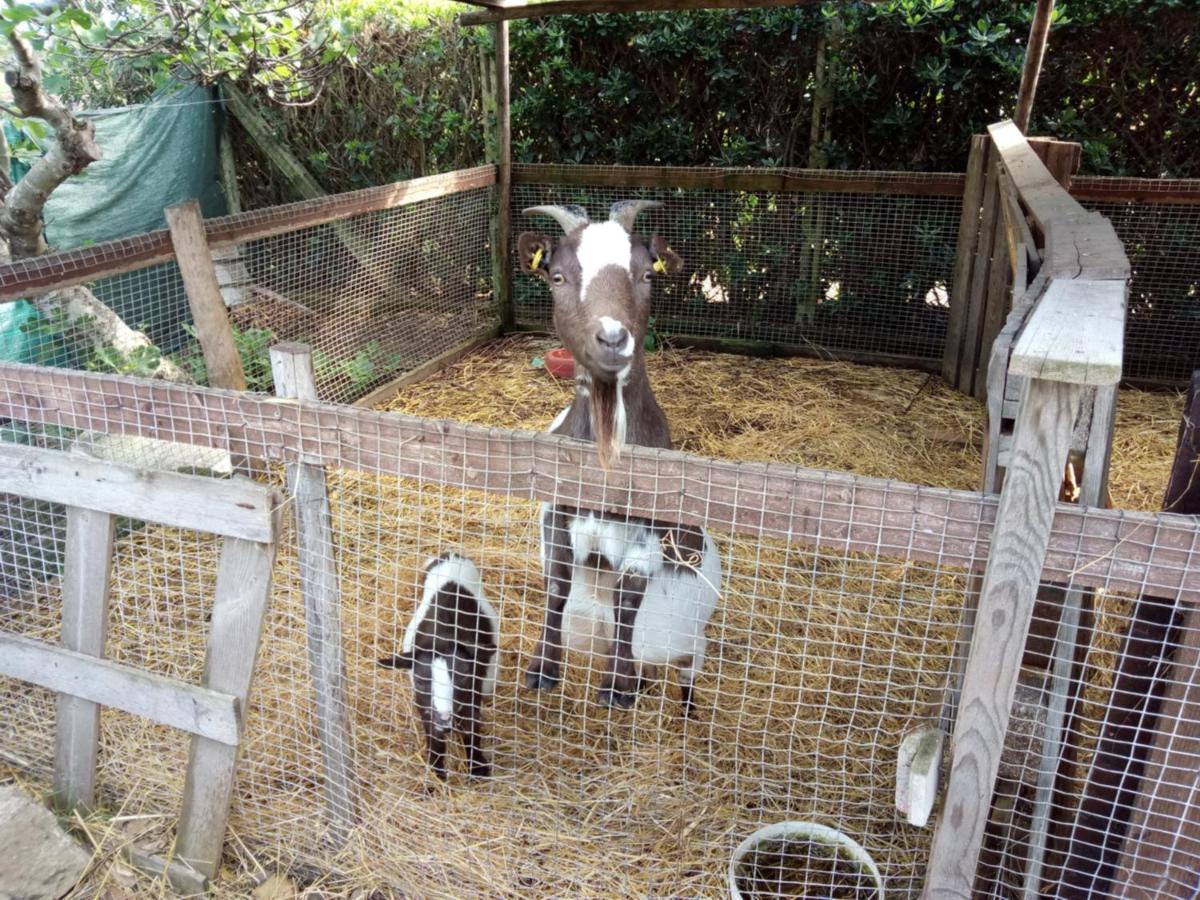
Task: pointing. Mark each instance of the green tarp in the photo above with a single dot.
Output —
(154, 155)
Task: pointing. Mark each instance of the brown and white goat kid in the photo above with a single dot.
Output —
(451, 649)
(638, 591)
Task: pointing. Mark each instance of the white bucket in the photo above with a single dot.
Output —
(803, 831)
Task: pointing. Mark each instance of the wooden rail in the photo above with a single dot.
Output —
(1119, 551)
(29, 276)
(1063, 343)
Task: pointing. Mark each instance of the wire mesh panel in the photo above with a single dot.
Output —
(832, 636)
(851, 271)
(1162, 240)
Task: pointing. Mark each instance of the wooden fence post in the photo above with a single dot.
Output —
(204, 296)
(964, 257)
(85, 591)
(494, 72)
(1071, 341)
(291, 365)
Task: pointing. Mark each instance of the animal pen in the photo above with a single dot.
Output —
(863, 623)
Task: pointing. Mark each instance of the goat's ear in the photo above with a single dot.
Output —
(666, 260)
(534, 250)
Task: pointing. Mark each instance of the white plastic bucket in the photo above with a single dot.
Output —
(803, 831)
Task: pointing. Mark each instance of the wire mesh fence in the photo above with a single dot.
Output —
(376, 295)
(861, 266)
(833, 635)
(1162, 240)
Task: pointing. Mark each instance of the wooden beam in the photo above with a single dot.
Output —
(232, 507)
(526, 10)
(779, 181)
(23, 277)
(1117, 551)
(1076, 334)
(96, 682)
(1154, 191)
(228, 166)
(1035, 51)
(85, 592)
(291, 365)
(239, 609)
(964, 258)
(1019, 546)
(502, 223)
(213, 329)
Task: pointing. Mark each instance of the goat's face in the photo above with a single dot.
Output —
(599, 275)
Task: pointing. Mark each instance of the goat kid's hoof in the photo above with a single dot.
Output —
(541, 681)
(618, 699)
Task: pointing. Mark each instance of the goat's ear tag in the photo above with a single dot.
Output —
(660, 267)
(537, 259)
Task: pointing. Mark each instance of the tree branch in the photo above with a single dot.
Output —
(73, 150)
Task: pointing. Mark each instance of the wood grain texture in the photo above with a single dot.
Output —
(231, 507)
(1023, 525)
(1035, 50)
(243, 587)
(213, 329)
(1075, 334)
(85, 591)
(100, 682)
(964, 257)
(976, 301)
(845, 513)
(292, 367)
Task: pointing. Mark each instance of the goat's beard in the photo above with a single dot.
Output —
(604, 421)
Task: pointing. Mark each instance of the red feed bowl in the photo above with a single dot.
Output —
(560, 364)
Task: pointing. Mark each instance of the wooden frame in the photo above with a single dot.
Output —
(1056, 369)
(247, 516)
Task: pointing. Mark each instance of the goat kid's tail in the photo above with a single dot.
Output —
(399, 661)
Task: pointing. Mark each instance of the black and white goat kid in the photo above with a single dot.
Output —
(637, 591)
(451, 649)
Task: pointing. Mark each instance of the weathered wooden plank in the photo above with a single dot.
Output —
(774, 181)
(520, 9)
(1020, 543)
(85, 592)
(228, 169)
(973, 348)
(292, 367)
(1039, 190)
(232, 507)
(1124, 551)
(24, 277)
(94, 681)
(213, 329)
(1076, 333)
(996, 297)
(386, 392)
(243, 587)
(964, 257)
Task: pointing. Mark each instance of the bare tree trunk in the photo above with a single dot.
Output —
(21, 234)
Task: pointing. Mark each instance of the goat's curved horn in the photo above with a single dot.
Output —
(625, 212)
(569, 217)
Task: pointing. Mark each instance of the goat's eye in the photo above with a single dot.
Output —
(557, 278)
(647, 275)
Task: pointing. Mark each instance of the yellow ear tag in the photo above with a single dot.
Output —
(660, 267)
(537, 258)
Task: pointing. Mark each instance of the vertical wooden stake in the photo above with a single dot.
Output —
(499, 147)
(1035, 50)
(85, 591)
(229, 182)
(204, 296)
(291, 365)
(240, 606)
(1018, 551)
(964, 257)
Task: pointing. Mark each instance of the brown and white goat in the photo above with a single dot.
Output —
(451, 649)
(638, 591)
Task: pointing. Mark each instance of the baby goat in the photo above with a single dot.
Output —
(451, 649)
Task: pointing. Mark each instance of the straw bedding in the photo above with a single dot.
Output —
(817, 665)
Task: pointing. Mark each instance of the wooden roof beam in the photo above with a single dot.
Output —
(522, 9)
